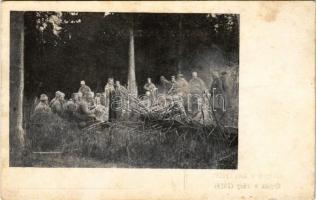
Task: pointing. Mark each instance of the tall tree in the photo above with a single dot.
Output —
(180, 45)
(16, 87)
(132, 87)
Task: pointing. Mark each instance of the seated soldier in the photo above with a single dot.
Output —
(86, 113)
(57, 95)
(42, 106)
(58, 106)
(100, 113)
(72, 106)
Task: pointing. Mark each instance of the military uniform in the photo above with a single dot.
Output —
(197, 86)
(197, 107)
(70, 109)
(165, 85)
(150, 87)
(173, 89)
(83, 113)
(42, 107)
(58, 107)
(109, 92)
(84, 90)
(182, 87)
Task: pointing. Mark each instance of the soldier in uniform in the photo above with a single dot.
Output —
(218, 100)
(119, 100)
(182, 89)
(57, 95)
(197, 91)
(86, 113)
(182, 85)
(42, 106)
(146, 100)
(40, 125)
(173, 88)
(84, 89)
(196, 85)
(150, 87)
(58, 106)
(109, 92)
(71, 107)
(165, 85)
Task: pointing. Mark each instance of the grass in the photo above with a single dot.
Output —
(142, 144)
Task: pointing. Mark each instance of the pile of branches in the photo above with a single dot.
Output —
(160, 143)
(157, 137)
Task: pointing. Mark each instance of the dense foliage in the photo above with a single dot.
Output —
(63, 48)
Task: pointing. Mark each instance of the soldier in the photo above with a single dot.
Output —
(42, 106)
(84, 89)
(58, 106)
(150, 87)
(40, 126)
(196, 85)
(217, 99)
(71, 106)
(182, 85)
(86, 113)
(216, 91)
(120, 101)
(173, 88)
(109, 87)
(109, 91)
(182, 89)
(97, 99)
(57, 95)
(165, 84)
(118, 87)
(146, 100)
(196, 99)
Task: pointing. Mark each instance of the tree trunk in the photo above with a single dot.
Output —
(16, 86)
(131, 85)
(180, 46)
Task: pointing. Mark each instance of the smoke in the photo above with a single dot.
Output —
(213, 61)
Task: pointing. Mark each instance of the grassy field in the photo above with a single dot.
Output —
(54, 142)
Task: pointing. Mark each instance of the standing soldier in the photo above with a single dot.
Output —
(196, 85)
(217, 100)
(182, 90)
(173, 88)
(146, 101)
(165, 84)
(109, 92)
(84, 89)
(150, 87)
(120, 101)
(182, 85)
(197, 90)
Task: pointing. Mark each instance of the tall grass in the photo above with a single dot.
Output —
(150, 144)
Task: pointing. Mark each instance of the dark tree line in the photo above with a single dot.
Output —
(63, 48)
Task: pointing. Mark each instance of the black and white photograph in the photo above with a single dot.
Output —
(124, 90)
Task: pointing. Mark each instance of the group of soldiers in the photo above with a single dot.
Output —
(194, 96)
(84, 106)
